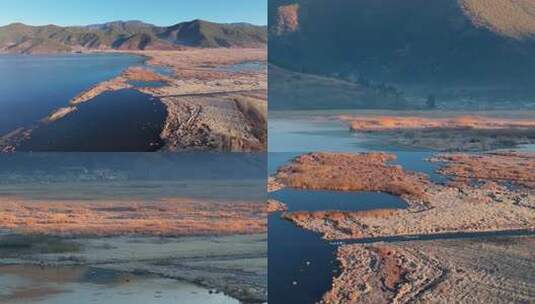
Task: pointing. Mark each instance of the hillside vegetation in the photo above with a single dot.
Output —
(454, 49)
(293, 90)
(128, 35)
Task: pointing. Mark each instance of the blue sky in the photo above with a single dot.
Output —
(159, 12)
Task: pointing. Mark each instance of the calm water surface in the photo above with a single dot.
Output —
(132, 176)
(121, 121)
(33, 86)
(145, 84)
(305, 264)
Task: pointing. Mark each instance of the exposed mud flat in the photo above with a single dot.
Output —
(447, 271)
(235, 265)
(207, 109)
(432, 208)
(456, 133)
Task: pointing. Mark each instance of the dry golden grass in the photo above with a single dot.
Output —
(170, 217)
(389, 123)
(141, 74)
(352, 172)
(518, 168)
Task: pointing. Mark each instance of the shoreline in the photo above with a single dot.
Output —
(203, 121)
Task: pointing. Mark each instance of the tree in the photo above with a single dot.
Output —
(431, 102)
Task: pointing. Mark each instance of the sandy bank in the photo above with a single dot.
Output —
(459, 271)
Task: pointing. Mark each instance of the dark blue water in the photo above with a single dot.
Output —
(33, 86)
(130, 176)
(119, 121)
(301, 265)
(312, 200)
(145, 84)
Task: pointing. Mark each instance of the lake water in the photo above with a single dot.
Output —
(309, 133)
(131, 176)
(65, 285)
(31, 87)
(305, 264)
(120, 121)
(146, 84)
(302, 262)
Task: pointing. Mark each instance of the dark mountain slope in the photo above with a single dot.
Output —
(439, 42)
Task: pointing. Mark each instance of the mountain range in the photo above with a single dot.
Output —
(129, 35)
(475, 48)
